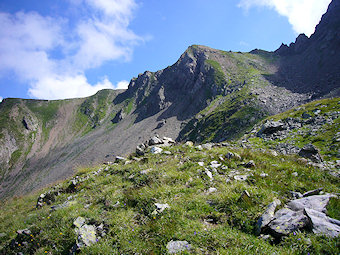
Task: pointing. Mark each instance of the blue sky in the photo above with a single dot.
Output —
(55, 49)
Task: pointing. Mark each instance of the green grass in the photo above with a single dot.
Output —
(324, 139)
(229, 120)
(178, 180)
(218, 74)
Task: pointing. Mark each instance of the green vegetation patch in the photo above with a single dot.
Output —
(218, 74)
(122, 198)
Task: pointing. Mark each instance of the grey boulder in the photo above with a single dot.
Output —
(174, 247)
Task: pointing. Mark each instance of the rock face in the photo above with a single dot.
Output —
(311, 152)
(307, 213)
(304, 63)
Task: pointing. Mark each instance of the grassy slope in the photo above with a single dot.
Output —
(325, 139)
(237, 112)
(179, 181)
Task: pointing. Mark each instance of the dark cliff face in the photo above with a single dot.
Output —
(182, 89)
(311, 65)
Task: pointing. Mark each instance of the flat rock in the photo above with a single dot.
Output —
(322, 224)
(86, 235)
(317, 203)
(80, 221)
(267, 216)
(287, 221)
(178, 246)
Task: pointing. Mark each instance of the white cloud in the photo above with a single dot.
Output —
(1, 98)
(29, 42)
(303, 15)
(122, 85)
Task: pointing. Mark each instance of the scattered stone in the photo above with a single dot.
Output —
(199, 147)
(140, 149)
(168, 140)
(119, 159)
(250, 164)
(305, 115)
(245, 196)
(295, 195)
(80, 221)
(215, 164)
(211, 190)
(86, 235)
(312, 192)
(200, 163)
(295, 174)
(241, 177)
(209, 174)
(160, 208)
(207, 146)
(146, 171)
(263, 175)
(271, 127)
(178, 246)
(155, 141)
(267, 216)
(167, 153)
(189, 144)
(156, 150)
(311, 152)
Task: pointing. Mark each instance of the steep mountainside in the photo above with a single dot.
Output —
(207, 95)
(312, 64)
(213, 198)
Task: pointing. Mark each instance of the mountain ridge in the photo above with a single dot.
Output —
(207, 95)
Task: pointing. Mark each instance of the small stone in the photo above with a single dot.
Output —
(178, 246)
(119, 159)
(209, 174)
(160, 208)
(156, 150)
(189, 144)
(263, 175)
(212, 190)
(312, 192)
(241, 177)
(295, 174)
(215, 164)
(80, 221)
(167, 153)
(207, 146)
(200, 163)
(155, 141)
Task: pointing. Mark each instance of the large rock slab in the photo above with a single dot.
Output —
(322, 224)
(267, 216)
(287, 221)
(317, 203)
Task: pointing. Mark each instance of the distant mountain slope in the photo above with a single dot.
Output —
(207, 95)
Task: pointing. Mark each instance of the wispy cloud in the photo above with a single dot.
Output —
(1, 98)
(40, 50)
(303, 15)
